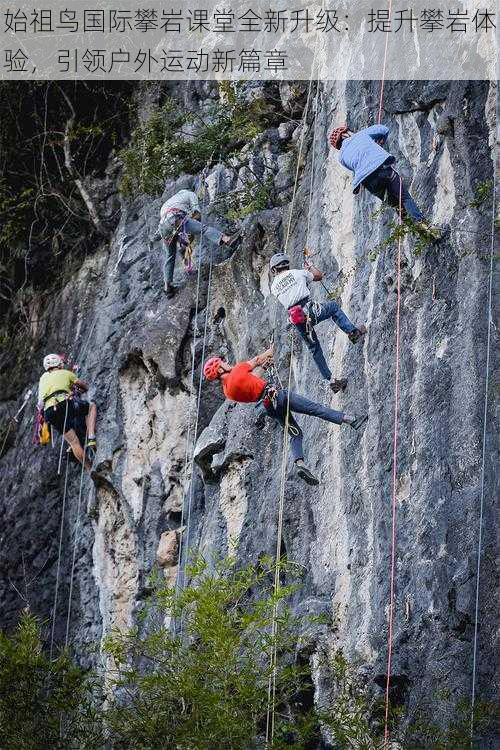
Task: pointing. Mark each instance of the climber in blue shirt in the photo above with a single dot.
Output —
(363, 154)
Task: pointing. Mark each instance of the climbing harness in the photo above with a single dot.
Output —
(483, 462)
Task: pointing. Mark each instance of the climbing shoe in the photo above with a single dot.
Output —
(357, 334)
(91, 449)
(303, 472)
(337, 385)
(260, 420)
(358, 421)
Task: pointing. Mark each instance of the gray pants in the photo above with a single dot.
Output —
(172, 229)
(299, 405)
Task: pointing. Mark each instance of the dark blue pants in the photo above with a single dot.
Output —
(325, 310)
(299, 405)
(386, 184)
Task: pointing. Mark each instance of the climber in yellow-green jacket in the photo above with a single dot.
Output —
(62, 410)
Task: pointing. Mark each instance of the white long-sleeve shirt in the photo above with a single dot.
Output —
(184, 200)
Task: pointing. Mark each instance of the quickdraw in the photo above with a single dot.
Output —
(188, 257)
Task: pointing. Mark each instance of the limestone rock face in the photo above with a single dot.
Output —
(158, 451)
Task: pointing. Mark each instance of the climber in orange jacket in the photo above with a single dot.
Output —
(243, 383)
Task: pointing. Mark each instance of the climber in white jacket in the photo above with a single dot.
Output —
(180, 217)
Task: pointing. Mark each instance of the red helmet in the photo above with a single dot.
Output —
(211, 368)
(337, 135)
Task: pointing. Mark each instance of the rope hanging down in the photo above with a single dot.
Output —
(181, 573)
(483, 462)
(75, 542)
(58, 570)
(271, 692)
(394, 476)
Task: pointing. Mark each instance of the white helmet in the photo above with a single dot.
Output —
(52, 360)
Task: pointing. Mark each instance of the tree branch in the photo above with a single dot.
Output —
(70, 166)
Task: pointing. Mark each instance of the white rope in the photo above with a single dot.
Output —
(313, 165)
(75, 541)
(299, 160)
(62, 437)
(271, 693)
(191, 401)
(195, 432)
(61, 532)
(483, 463)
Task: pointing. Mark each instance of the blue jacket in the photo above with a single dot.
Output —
(362, 155)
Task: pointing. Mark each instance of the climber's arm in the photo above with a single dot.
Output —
(81, 385)
(317, 275)
(262, 359)
(379, 133)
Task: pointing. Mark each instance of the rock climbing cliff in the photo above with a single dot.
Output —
(136, 349)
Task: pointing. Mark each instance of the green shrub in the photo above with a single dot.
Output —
(174, 141)
(209, 688)
(43, 703)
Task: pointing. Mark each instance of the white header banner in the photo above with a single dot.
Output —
(253, 40)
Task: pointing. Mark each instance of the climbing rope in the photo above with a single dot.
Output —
(384, 68)
(58, 570)
(189, 464)
(75, 541)
(14, 419)
(190, 408)
(483, 463)
(62, 437)
(394, 475)
(271, 692)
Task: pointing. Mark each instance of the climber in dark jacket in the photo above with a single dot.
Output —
(180, 217)
(290, 286)
(243, 383)
(363, 154)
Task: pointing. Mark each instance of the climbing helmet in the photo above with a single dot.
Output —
(211, 368)
(52, 360)
(337, 135)
(278, 260)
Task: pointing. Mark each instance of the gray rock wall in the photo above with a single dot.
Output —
(136, 349)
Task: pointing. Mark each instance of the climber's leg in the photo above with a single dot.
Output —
(334, 311)
(303, 405)
(169, 264)
(312, 342)
(90, 421)
(398, 191)
(296, 435)
(193, 226)
(72, 438)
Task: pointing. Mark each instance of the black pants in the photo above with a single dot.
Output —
(63, 421)
(386, 184)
